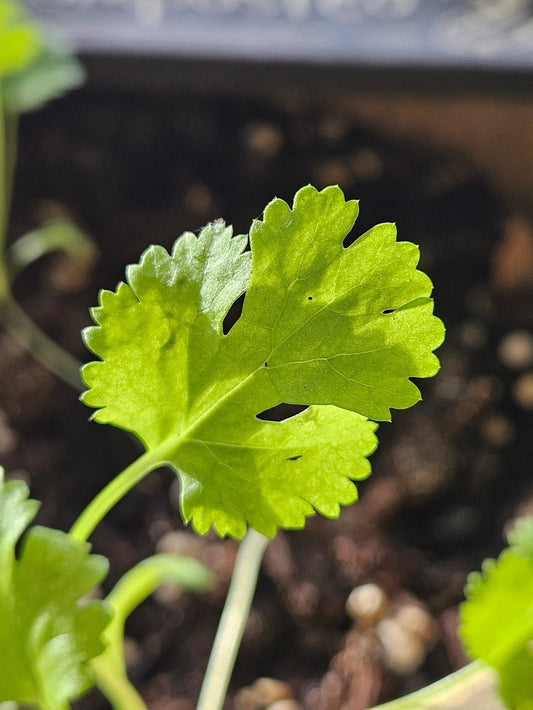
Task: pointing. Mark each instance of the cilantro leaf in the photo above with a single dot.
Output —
(502, 591)
(34, 67)
(20, 39)
(46, 636)
(321, 325)
(497, 617)
(53, 72)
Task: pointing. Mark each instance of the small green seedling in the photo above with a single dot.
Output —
(46, 637)
(497, 617)
(53, 645)
(34, 68)
(339, 330)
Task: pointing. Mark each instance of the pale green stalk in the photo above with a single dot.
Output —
(137, 584)
(132, 589)
(454, 692)
(232, 621)
(451, 692)
(10, 157)
(21, 327)
(56, 234)
(36, 342)
(4, 192)
(117, 689)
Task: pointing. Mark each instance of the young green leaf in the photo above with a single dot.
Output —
(321, 325)
(497, 617)
(20, 39)
(53, 72)
(46, 635)
(34, 67)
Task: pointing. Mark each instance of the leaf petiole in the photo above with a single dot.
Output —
(133, 588)
(57, 234)
(109, 496)
(5, 190)
(117, 688)
(37, 342)
(232, 621)
(14, 319)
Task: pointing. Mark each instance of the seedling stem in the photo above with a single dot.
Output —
(233, 621)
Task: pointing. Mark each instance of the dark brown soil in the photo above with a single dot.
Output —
(137, 169)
